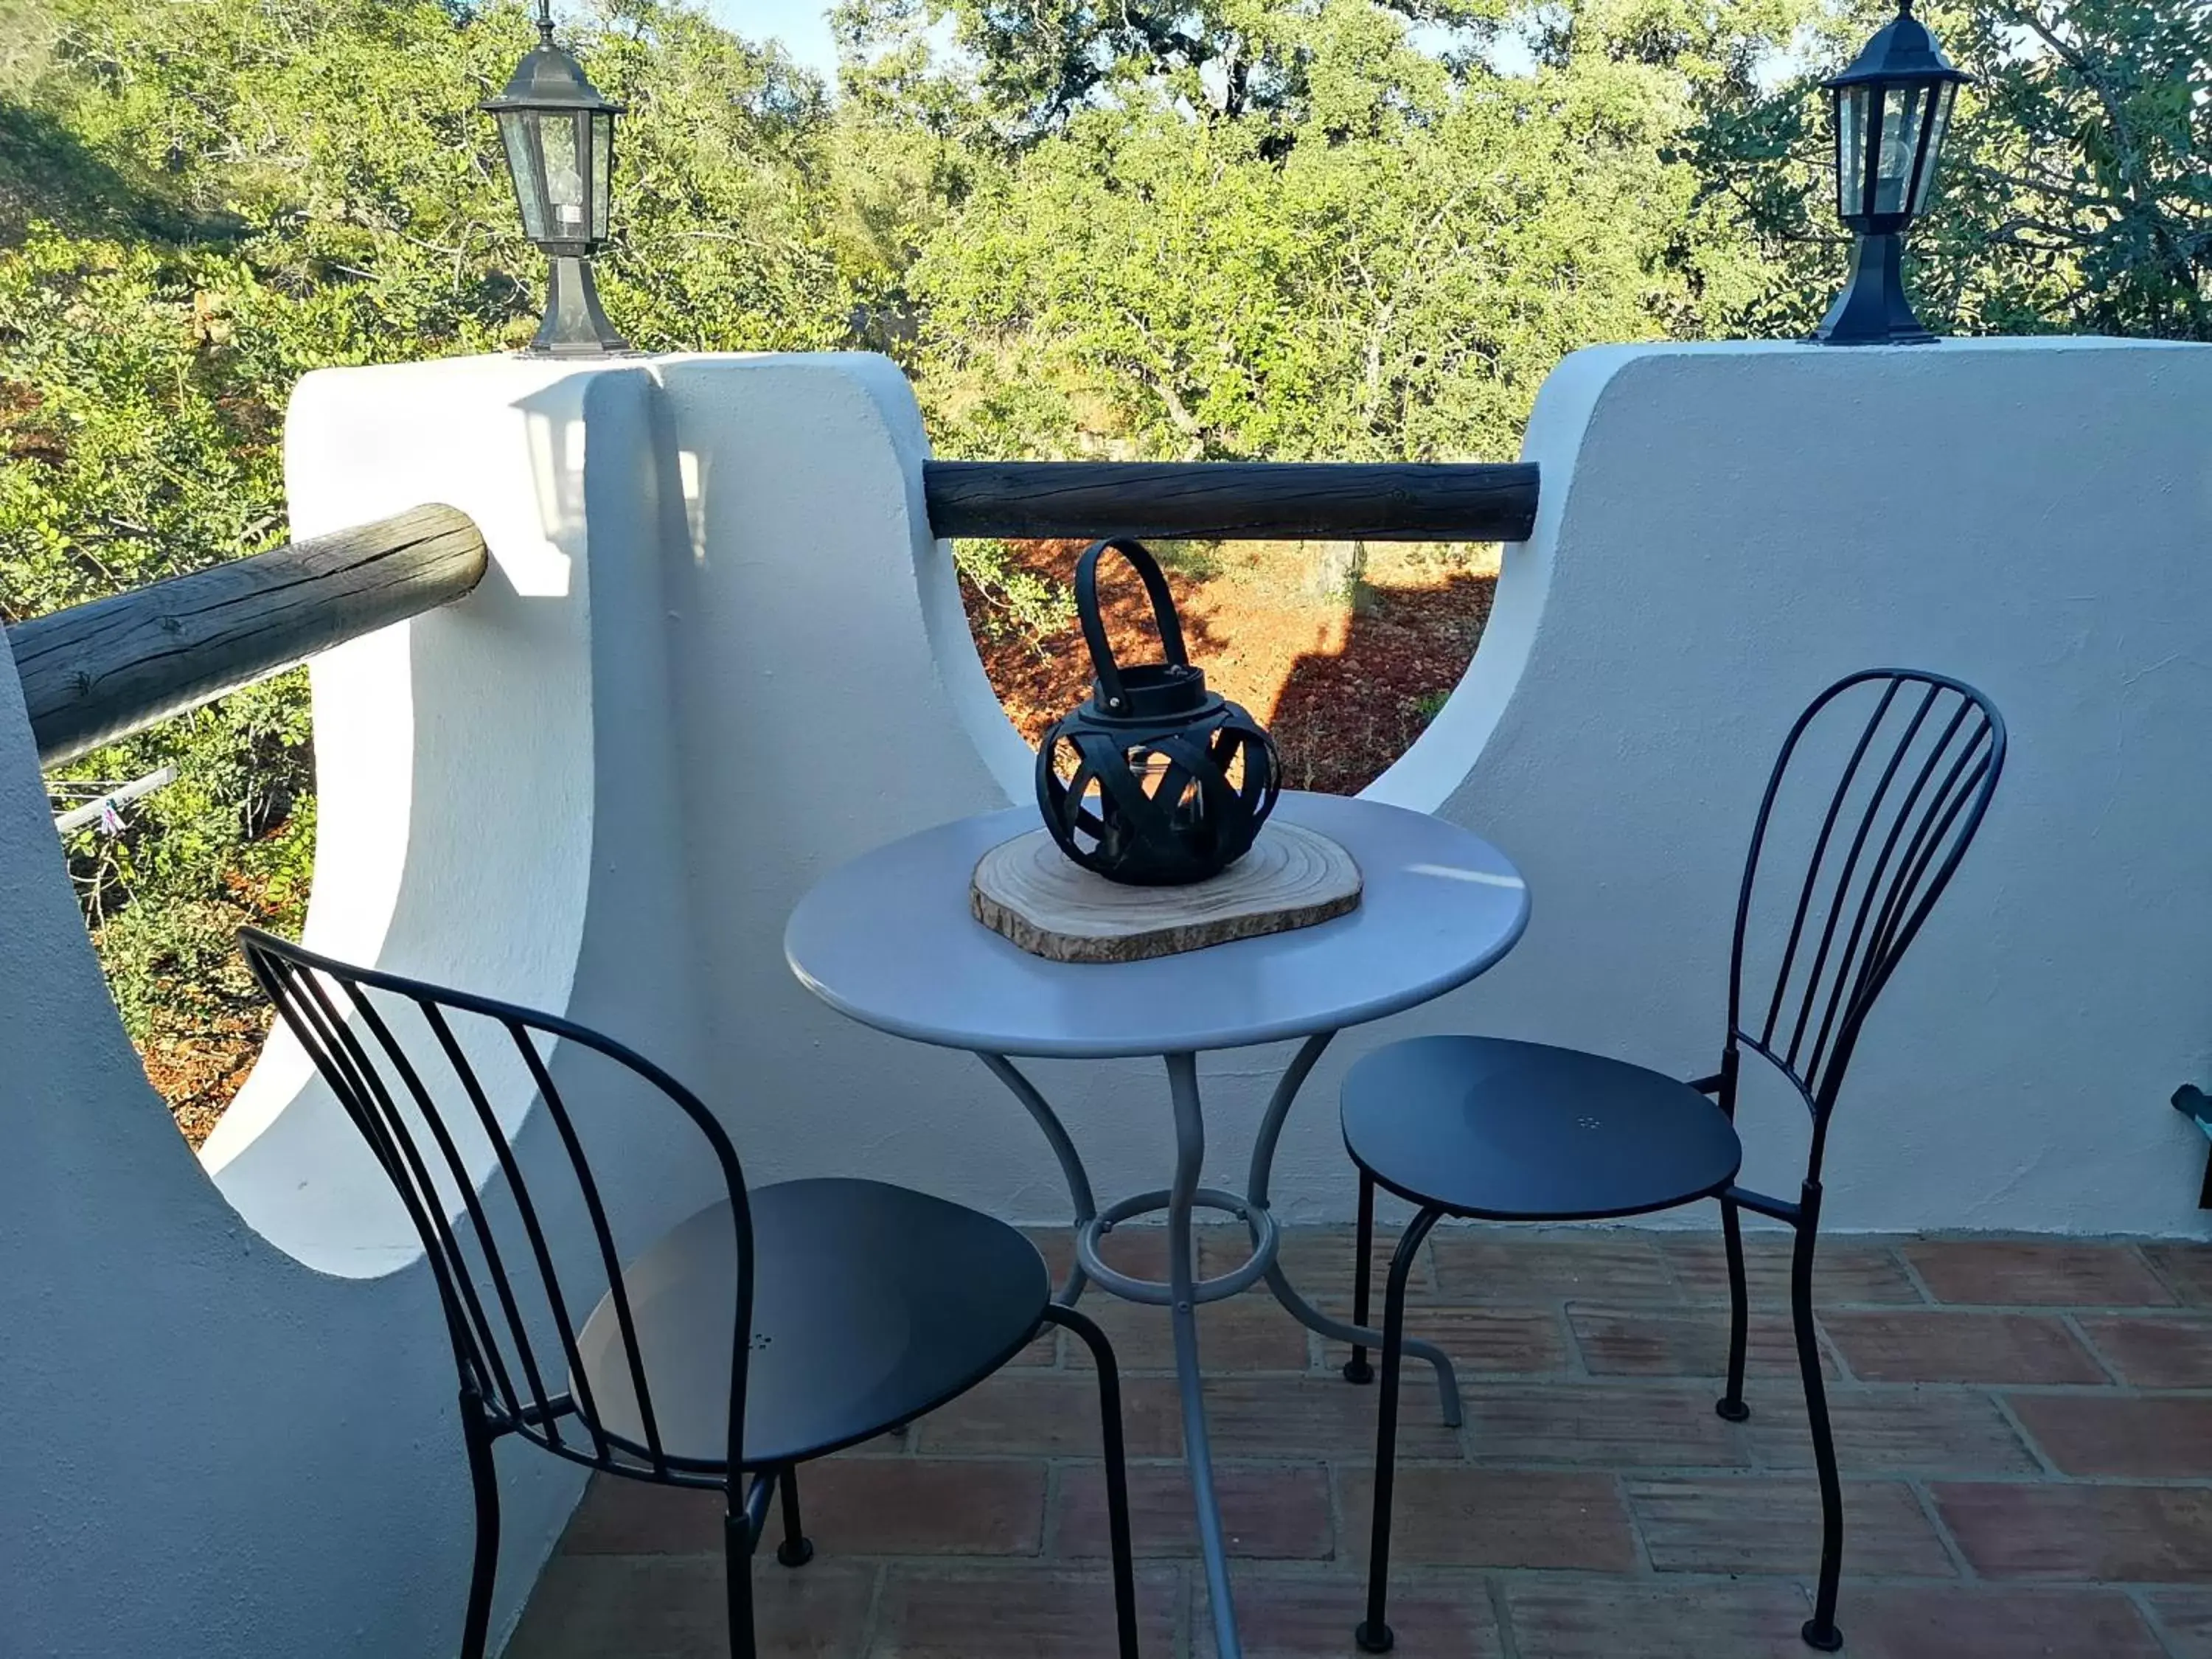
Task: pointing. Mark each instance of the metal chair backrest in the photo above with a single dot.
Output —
(1922, 768)
(495, 1295)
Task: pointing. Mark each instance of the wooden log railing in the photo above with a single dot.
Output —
(95, 672)
(98, 671)
(1216, 499)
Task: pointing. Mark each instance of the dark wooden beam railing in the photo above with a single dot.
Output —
(98, 671)
(1213, 500)
(95, 672)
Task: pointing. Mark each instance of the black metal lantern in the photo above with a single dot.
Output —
(559, 135)
(1892, 106)
(1166, 782)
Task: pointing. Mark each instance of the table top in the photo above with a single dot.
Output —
(888, 939)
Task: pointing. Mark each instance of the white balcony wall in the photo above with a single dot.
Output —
(719, 651)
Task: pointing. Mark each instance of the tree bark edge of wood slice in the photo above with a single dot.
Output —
(1030, 893)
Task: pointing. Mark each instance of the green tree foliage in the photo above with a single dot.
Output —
(198, 205)
(1329, 228)
(1318, 227)
(1145, 284)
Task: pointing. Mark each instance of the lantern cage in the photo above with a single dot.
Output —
(558, 134)
(1155, 781)
(1891, 109)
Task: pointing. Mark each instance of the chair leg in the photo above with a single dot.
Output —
(797, 1549)
(1731, 1405)
(1356, 1369)
(743, 1522)
(1117, 1471)
(1373, 1634)
(484, 1479)
(1820, 1630)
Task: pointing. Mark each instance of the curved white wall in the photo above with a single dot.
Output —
(214, 1449)
(441, 748)
(498, 782)
(1727, 528)
(1723, 530)
(721, 651)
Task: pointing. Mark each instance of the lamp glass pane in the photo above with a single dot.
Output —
(564, 180)
(1851, 150)
(518, 132)
(1901, 108)
(602, 147)
(1939, 118)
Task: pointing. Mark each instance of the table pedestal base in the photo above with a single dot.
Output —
(1183, 1291)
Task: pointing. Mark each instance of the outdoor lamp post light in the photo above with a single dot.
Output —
(1891, 105)
(559, 134)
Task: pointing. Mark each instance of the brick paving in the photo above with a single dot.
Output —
(2025, 1429)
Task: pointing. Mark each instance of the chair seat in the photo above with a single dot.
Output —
(1507, 1131)
(873, 1304)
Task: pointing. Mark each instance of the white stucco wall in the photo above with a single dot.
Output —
(240, 1390)
(720, 652)
(215, 1451)
(1725, 529)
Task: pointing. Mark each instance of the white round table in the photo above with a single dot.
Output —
(888, 939)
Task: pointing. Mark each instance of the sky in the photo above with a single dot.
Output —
(802, 26)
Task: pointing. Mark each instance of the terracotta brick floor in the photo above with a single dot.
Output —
(2025, 1428)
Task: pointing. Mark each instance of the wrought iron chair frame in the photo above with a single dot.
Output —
(1948, 825)
(491, 1406)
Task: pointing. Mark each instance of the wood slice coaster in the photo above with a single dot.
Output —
(1031, 892)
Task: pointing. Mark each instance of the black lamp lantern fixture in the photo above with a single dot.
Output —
(1167, 783)
(1892, 106)
(559, 139)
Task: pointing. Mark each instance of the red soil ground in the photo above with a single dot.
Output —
(1344, 683)
(199, 1074)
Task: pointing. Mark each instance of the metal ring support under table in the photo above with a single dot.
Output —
(1151, 1291)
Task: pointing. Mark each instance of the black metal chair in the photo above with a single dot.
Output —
(1489, 1129)
(789, 1321)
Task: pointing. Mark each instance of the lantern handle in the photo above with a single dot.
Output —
(1138, 558)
